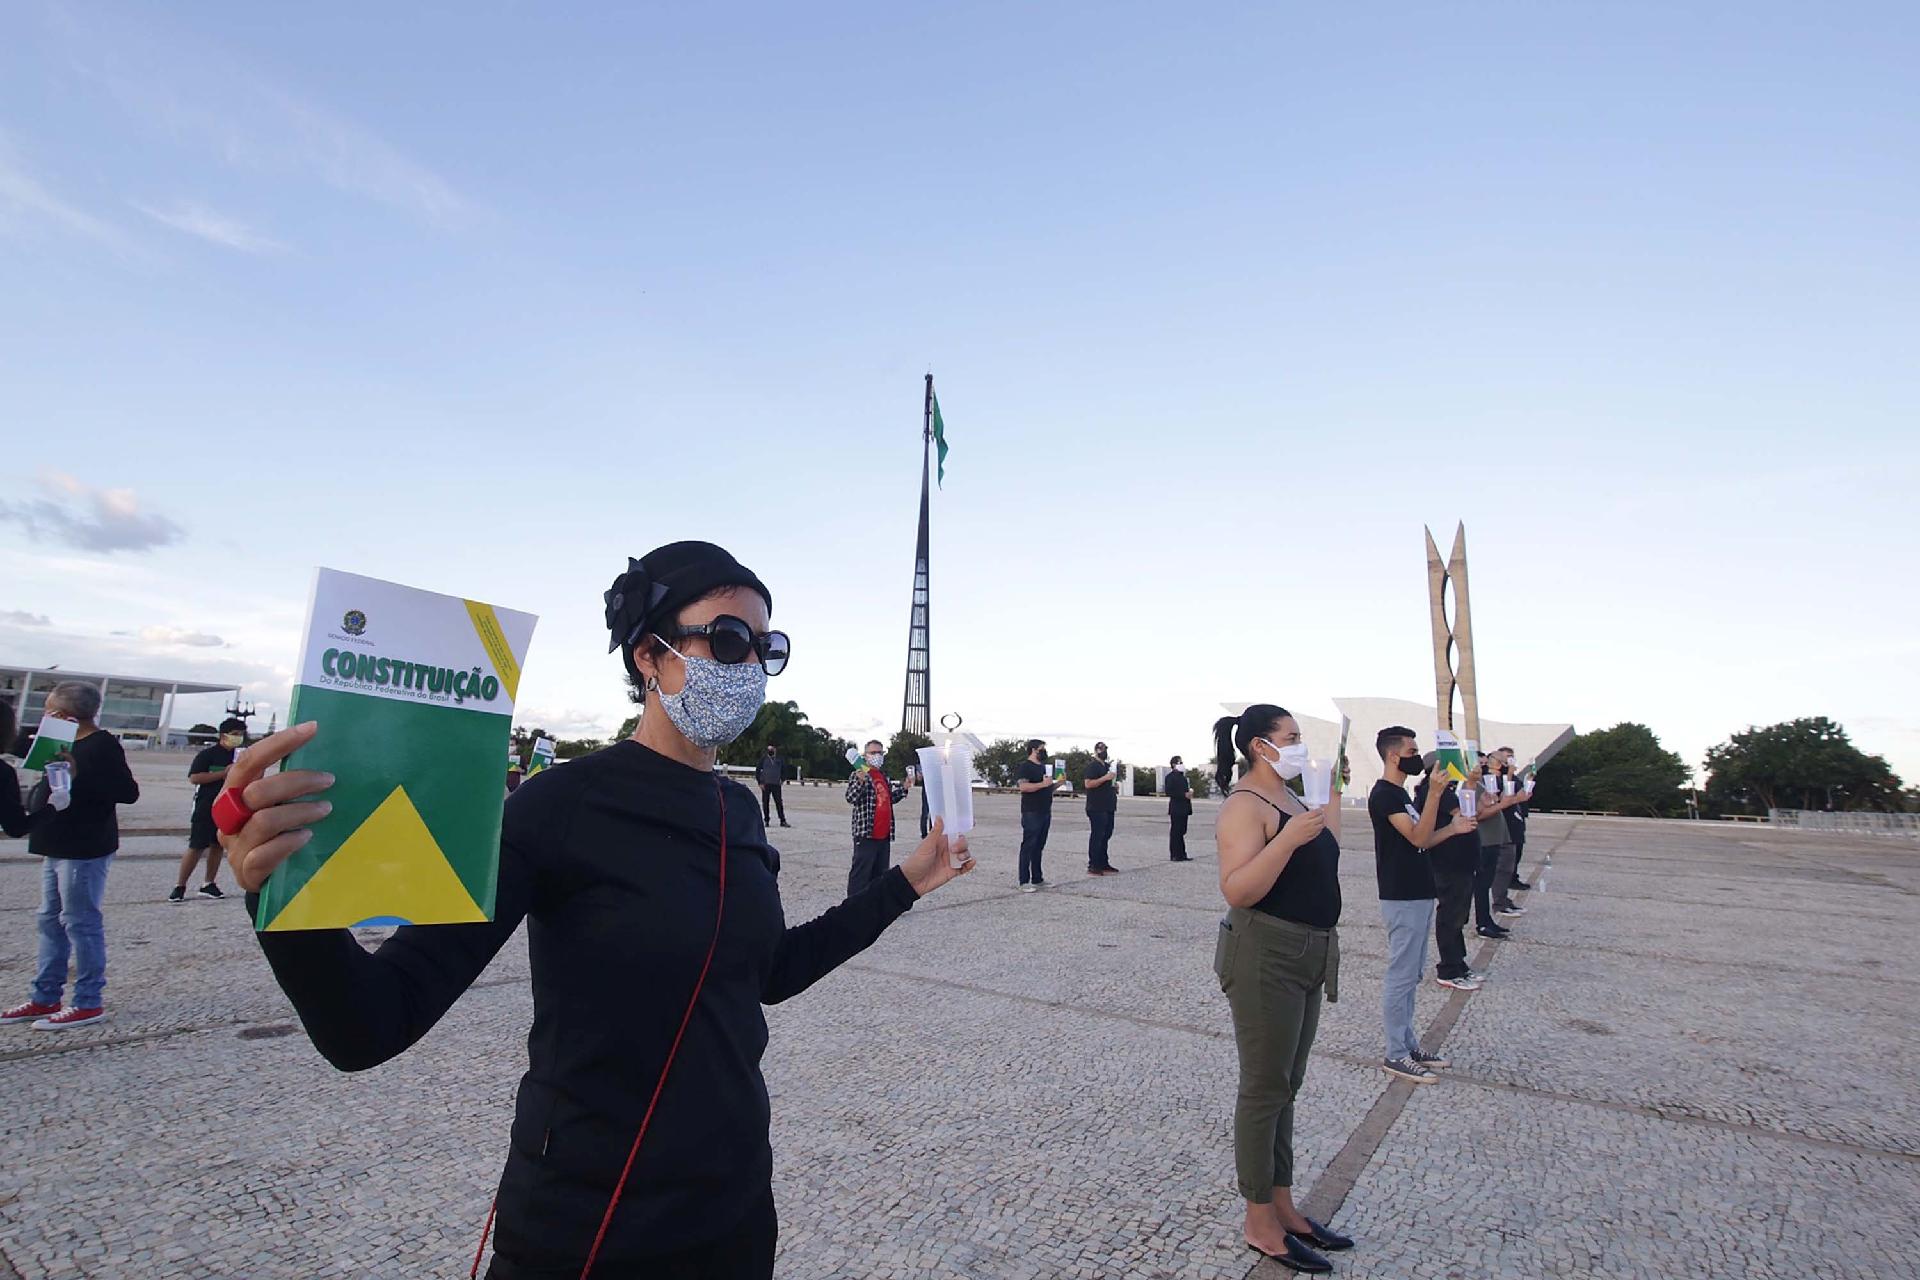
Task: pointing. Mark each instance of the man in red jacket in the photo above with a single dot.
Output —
(872, 796)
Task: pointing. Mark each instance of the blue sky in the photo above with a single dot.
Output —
(1224, 304)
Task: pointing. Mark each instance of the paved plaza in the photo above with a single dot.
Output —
(1696, 1058)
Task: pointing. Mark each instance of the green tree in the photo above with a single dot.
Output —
(574, 748)
(207, 729)
(1624, 769)
(1201, 781)
(901, 752)
(1000, 760)
(1809, 763)
(627, 727)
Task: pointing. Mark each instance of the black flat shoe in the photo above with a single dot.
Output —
(1297, 1257)
(1324, 1237)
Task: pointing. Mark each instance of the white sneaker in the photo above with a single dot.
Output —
(1465, 983)
(1029, 888)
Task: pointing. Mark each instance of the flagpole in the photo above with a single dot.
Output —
(916, 714)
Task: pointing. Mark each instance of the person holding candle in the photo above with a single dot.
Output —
(873, 796)
(654, 922)
(1403, 836)
(1037, 786)
(1103, 802)
(1455, 860)
(1277, 956)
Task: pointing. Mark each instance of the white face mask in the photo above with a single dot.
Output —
(1292, 760)
(876, 758)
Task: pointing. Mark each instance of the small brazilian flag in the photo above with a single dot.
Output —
(940, 440)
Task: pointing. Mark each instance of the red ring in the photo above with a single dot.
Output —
(230, 812)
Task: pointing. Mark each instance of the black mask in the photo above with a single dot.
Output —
(1411, 766)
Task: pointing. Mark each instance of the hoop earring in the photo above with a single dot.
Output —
(653, 684)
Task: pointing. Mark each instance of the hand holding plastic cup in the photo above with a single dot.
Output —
(59, 777)
(1492, 784)
(1469, 802)
(1316, 780)
(1506, 786)
(946, 775)
(1529, 786)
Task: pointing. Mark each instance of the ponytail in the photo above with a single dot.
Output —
(1235, 734)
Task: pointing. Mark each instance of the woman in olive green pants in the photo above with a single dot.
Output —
(1278, 951)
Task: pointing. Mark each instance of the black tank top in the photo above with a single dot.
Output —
(1308, 891)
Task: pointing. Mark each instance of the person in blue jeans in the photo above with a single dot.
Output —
(77, 843)
(1402, 835)
(1037, 786)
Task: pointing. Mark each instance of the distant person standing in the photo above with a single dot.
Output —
(1496, 853)
(771, 772)
(14, 819)
(208, 774)
(76, 845)
(872, 796)
(1103, 802)
(1402, 839)
(1179, 809)
(1455, 859)
(1037, 785)
(1517, 822)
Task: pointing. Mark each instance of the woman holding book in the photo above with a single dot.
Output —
(639, 1145)
(1277, 955)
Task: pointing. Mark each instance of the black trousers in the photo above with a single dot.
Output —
(871, 858)
(770, 800)
(1033, 842)
(1519, 847)
(1102, 824)
(1454, 889)
(1177, 836)
(1483, 885)
(745, 1253)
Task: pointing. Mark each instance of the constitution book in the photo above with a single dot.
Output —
(413, 692)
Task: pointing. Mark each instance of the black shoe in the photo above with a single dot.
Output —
(785, 823)
(1324, 1237)
(179, 894)
(1493, 931)
(1298, 1257)
(211, 891)
(1518, 883)
(1182, 858)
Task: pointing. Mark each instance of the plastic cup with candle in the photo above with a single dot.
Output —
(946, 772)
(1316, 780)
(1469, 801)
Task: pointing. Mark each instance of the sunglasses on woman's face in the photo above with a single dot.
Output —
(732, 641)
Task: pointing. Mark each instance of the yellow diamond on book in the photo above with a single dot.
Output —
(391, 859)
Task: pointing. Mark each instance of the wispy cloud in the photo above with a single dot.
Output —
(21, 618)
(90, 519)
(215, 228)
(25, 198)
(180, 635)
(199, 95)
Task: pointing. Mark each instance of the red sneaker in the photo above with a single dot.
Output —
(69, 1018)
(31, 1011)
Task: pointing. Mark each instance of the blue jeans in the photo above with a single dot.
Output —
(1408, 924)
(1033, 842)
(70, 894)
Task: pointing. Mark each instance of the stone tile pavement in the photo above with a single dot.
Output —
(1696, 1059)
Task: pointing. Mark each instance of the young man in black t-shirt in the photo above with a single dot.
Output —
(1402, 836)
(207, 773)
(1103, 802)
(1454, 862)
(1037, 786)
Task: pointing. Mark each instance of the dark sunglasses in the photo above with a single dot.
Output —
(732, 641)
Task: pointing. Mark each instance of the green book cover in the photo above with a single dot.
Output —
(413, 692)
(1453, 761)
(49, 740)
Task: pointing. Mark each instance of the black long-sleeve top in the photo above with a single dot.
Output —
(14, 818)
(88, 827)
(612, 860)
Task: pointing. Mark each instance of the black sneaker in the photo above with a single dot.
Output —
(1494, 931)
(211, 891)
(179, 894)
(1518, 883)
(1430, 1059)
(1408, 1069)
